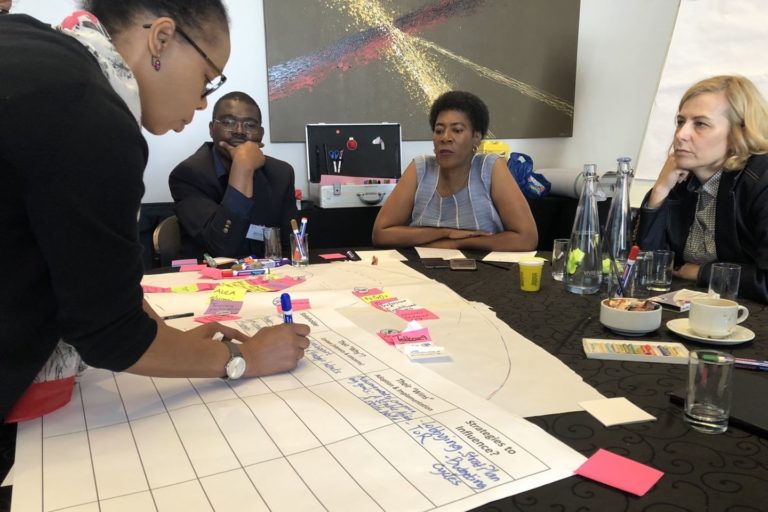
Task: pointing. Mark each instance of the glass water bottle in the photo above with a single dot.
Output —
(617, 237)
(583, 272)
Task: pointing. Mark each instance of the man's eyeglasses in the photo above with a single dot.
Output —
(212, 85)
(230, 123)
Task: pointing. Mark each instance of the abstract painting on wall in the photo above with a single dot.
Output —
(369, 61)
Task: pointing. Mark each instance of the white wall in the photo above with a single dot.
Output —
(622, 46)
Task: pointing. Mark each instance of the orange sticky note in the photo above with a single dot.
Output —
(620, 472)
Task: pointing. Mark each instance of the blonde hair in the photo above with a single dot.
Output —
(747, 113)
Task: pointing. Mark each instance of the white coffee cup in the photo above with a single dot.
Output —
(715, 318)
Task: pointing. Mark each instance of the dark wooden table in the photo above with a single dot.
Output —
(702, 473)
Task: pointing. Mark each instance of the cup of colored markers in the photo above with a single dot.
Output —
(299, 243)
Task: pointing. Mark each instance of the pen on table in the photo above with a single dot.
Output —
(285, 305)
(619, 280)
(209, 260)
(738, 362)
(245, 272)
(299, 240)
(178, 315)
(492, 264)
(627, 270)
(750, 364)
(303, 228)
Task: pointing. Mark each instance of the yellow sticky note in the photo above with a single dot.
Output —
(228, 292)
(187, 288)
(379, 296)
(258, 288)
(248, 287)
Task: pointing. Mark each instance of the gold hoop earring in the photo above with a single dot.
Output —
(474, 149)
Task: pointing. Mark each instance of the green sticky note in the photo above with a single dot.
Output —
(574, 258)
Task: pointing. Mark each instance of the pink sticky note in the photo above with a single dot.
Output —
(363, 293)
(416, 314)
(296, 304)
(414, 336)
(192, 268)
(620, 472)
(275, 284)
(155, 289)
(181, 263)
(389, 338)
(223, 307)
(333, 256)
(215, 318)
(211, 273)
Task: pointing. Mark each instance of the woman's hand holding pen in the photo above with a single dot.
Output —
(275, 349)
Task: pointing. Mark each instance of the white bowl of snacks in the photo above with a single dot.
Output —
(630, 317)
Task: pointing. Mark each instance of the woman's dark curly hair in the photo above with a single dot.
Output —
(463, 101)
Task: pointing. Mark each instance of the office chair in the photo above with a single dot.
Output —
(166, 240)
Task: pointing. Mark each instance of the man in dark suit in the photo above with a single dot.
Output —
(227, 192)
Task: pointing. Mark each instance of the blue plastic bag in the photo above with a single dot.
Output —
(532, 184)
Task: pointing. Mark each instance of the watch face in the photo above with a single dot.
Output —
(235, 367)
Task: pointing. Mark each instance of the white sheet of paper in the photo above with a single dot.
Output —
(488, 357)
(382, 256)
(508, 257)
(353, 427)
(446, 254)
(616, 411)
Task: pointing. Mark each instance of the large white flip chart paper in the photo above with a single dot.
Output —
(354, 427)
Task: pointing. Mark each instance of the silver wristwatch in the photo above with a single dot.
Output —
(235, 367)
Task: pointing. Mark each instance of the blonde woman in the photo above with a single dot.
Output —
(710, 201)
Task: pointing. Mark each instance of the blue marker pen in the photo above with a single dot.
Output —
(285, 305)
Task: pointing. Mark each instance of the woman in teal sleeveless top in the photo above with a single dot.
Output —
(457, 199)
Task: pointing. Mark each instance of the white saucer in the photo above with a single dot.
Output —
(681, 327)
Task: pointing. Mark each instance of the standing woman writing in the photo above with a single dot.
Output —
(72, 103)
(458, 198)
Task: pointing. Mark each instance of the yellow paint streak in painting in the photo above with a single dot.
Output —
(423, 78)
(529, 90)
(411, 57)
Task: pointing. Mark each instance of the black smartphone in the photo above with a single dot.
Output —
(435, 263)
(463, 264)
